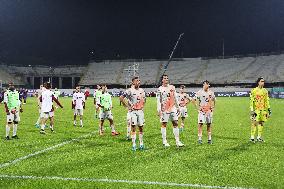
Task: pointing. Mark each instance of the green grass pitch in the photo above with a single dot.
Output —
(231, 161)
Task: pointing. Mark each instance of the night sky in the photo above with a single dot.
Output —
(53, 32)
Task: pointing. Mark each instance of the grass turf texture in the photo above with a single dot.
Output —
(230, 161)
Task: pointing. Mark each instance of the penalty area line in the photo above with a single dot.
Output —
(118, 181)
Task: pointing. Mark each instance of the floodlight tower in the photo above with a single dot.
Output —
(131, 71)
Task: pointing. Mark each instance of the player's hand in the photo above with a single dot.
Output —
(178, 111)
(8, 113)
(269, 112)
(252, 114)
(159, 113)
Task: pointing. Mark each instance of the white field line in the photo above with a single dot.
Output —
(12, 162)
(118, 181)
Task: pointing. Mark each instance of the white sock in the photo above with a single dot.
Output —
(199, 136)
(133, 138)
(112, 128)
(75, 122)
(209, 135)
(81, 122)
(42, 126)
(38, 120)
(164, 134)
(128, 130)
(176, 133)
(141, 138)
(51, 126)
(15, 126)
(7, 130)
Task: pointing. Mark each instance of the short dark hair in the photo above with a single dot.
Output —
(135, 77)
(182, 86)
(258, 79)
(48, 85)
(205, 81)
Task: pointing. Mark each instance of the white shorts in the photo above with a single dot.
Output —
(173, 116)
(137, 117)
(46, 115)
(205, 117)
(13, 117)
(105, 115)
(183, 112)
(78, 112)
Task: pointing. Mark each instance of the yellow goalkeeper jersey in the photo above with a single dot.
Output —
(259, 99)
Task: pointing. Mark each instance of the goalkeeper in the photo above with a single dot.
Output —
(105, 104)
(260, 109)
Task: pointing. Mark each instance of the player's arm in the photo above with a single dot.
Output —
(159, 102)
(187, 99)
(21, 107)
(195, 101)
(84, 101)
(73, 103)
(214, 100)
(94, 98)
(100, 102)
(268, 104)
(5, 103)
(144, 97)
(110, 102)
(57, 102)
(176, 100)
(122, 99)
(252, 110)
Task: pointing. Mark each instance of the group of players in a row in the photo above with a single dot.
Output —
(170, 106)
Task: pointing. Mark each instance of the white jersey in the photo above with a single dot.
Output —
(205, 100)
(183, 99)
(136, 98)
(167, 99)
(39, 92)
(47, 101)
(78, 100)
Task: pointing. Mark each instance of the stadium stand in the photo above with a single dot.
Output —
(233, 70)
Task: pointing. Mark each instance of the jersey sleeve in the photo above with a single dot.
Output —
(159, 100)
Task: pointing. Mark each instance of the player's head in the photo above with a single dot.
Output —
(136, 81)
(11, 86)
(260, 82)
(77, 89)
(206, 84)
(104, 87)
(165, 79)
(55, 89)
(182, 88)
(48, 85)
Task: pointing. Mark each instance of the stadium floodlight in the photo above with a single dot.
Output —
(131, 71)
(169, 60)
